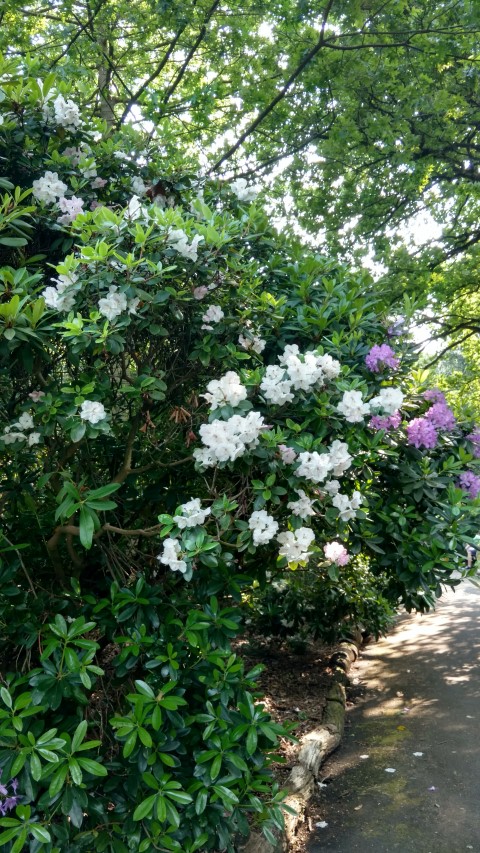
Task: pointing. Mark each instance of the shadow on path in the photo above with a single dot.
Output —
(422, 696)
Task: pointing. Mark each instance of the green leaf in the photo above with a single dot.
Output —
(93, 767)
(145, 808)
(40, 833)
(79, 735)
(87, 527)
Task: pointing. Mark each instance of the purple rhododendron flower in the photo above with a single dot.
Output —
(8, 804)
(441, 416)
(397, 328)
(385, 421)
(469, 482)
(422, 433)
(474, 437)
(434, 395)
(381, 356)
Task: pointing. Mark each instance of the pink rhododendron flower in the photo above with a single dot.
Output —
(336, 553)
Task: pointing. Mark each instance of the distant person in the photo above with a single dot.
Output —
(472, 550)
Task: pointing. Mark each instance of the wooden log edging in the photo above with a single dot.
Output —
(314, 748)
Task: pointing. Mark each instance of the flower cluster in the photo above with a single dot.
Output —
(385, 422)
(474, 437)
(243, 192)
(297, 371)
(470, 482)
(178, 240)
(316, 467)
(17, 431)
(287, 453)
(381, 356)
(11, 798)
(60, 297)
(263, 525)
(228, 390)
(347, 507)
(192, 514)
(115, 303)
(70, 207)
(48, 188)
(254, 342)
(303, 507)
(422, 433)
(92, 411)
(171, 552)
(388, 400)
(353, 407)
(213, 314)
(65, 113)
(227, 440)
(336, 553)
(295, 544)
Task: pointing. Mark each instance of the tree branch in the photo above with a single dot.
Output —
(279, 97)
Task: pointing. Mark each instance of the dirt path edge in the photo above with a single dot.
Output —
(314, 748)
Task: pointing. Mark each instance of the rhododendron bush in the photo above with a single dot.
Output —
(191, 404)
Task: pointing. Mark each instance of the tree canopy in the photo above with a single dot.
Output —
(359, 117)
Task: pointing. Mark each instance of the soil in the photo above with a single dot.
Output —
(294, 687)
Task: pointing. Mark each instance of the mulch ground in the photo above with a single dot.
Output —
(294, 688)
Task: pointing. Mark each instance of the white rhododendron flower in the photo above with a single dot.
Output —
(92, 412)
(25, 421)
(275, 386)
(227, 440)
(66, 113)
(254, 343)
(200, 292)
(138, 186)
(10, 437)
(263, 525)
(71, 207)
(347, 506)
(353, 407)
(225, 391)
(287, 453)
(114, 304)
(303, 507)
(192, 514)
(171, 552)
(295, 544)
(314, 466)
(332, 487)
(330, 366)
(178, 239)
(33, 438)
(340, 458)
(98, 183)
(213, 314)
(58, 297)
(134, 207)
(243, 192)
(389, 400)
(48, 188)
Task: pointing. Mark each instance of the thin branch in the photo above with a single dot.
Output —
(153, 76)
(449, 347)
(191, 52)
(25, 570)
(78, 33)
(279, 97)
